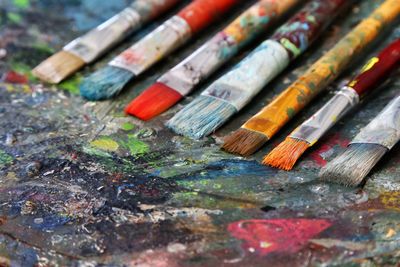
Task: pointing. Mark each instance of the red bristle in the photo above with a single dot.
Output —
(153, 101)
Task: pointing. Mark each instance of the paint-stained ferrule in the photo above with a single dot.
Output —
(384, 130)
(222, 47)
(93, 44)
(315, 127)
(243, 82)
(163, 40)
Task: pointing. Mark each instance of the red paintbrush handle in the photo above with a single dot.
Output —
(201, 13)
(377, 69)
(302, 29)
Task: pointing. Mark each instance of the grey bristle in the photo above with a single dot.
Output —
(201, 117)
(354, 164)
(105, 83)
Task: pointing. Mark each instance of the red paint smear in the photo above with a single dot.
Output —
(130, 56)
(15, 77)
(277, 235)
(328, 145)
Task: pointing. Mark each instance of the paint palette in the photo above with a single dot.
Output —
(82, 184)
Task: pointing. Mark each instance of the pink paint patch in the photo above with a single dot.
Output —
(277, 235)
(130, 56)
(15, 77)
(330, 143)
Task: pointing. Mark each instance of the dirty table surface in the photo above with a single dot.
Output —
(81, 184)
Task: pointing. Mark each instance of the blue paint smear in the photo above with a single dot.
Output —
(230, 168)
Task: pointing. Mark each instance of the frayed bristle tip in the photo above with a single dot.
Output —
(201, 117)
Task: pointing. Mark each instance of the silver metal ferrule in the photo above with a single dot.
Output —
(316, 126)
(384, 130)
(96, 42)
(156, 45)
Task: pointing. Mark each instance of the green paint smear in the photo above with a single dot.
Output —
(135, 146)
(127, 126)
(5, 158)
(71, 85)
(14, 17)
(24, 69)
(106, 144)
(22, 3)
(291, 112)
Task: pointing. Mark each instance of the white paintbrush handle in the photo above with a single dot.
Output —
(163, 40)
(384, 130)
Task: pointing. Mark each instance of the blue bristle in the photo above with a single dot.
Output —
(105, 83)
(201, 117)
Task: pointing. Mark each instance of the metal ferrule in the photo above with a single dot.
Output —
(248, 78)
(190, 72)
(316, 126)
(163, 40)
(384, 130)
(99, 40)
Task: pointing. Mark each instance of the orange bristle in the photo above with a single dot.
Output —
(153, 101)
(286, 154)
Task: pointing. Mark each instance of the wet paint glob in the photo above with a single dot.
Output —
(277, 235)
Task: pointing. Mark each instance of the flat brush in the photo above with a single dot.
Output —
(86, 49)
(183, 78)
(286, 154)
(172, 34)
(234, 90)
(366, 149)
(266, 123)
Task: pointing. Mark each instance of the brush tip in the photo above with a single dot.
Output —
(58, 67)
(353, 165)
(244, 142)
(153, 101)
(286, 154)
(201, 117)
(105, 83)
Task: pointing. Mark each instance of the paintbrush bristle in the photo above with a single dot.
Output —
(244, 142)
(105, 83)
(286, 154)
(153, 101)
(58, 67)
(354, 164)
(201, 117)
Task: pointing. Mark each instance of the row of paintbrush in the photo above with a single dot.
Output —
(231, 92)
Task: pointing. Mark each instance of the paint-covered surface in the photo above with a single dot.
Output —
(81, 184)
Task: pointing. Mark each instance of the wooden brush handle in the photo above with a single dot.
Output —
(200, 13)
(377, 69)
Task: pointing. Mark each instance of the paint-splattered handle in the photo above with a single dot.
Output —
(302, 29)
(201, 13)
(377, 69)
(275, 115)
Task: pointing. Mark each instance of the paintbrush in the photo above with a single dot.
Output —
(266, 123)
(172, 34)
(183, 78)
(91, 46)
(366, 149)
(234, 90)
(286, 154)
